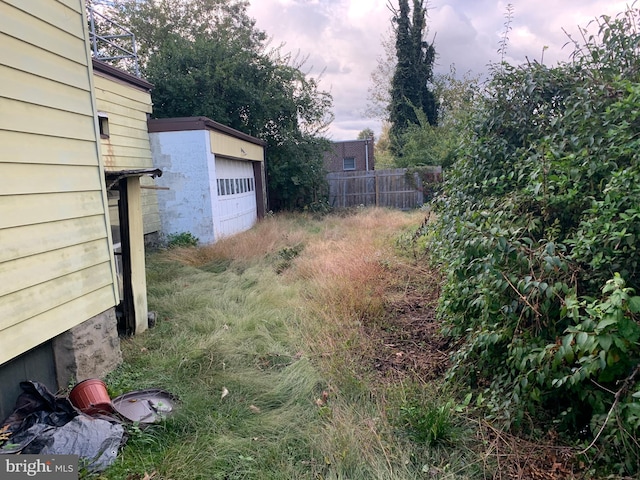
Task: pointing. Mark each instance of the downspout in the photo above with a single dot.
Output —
(366, 155)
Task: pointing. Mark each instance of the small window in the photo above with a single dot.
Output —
(228, 187)
(103, 124)
(349, 163)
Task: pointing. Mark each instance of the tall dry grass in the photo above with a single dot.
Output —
(346, 273)
(270, 235)
(286, 339)
(346, 276)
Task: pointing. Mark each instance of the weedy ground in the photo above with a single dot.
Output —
(305, 348)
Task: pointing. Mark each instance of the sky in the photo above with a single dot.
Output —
(343, 40)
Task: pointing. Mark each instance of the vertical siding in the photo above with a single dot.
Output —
(128, 147)
(393, 188)
(56, 268)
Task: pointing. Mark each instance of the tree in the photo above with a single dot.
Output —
(380, 88)
(366, 133)
(206, 58)
(427, 144)
(411, 89)
(157, 22)
(382, 149)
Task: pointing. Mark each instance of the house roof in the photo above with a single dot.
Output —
(106, 69)
(179, 124)
(354, 141)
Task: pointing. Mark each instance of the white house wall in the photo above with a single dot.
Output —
(189, 174)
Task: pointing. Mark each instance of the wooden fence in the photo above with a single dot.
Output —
(381, 188)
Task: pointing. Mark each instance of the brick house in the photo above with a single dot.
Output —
(350, 155)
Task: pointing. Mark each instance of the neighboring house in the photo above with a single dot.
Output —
(58, 287)
(213, 182)
(350, 155)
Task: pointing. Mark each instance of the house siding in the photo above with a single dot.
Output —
(56, 267)
(127, 147)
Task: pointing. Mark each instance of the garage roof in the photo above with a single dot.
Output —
(179, 124)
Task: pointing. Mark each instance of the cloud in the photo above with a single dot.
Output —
(343, 39)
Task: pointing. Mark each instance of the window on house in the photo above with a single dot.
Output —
(349, 163)
(103, 124)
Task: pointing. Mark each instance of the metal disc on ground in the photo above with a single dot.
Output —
(145, 406)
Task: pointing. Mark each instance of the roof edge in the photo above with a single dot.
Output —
(105, 68)
(177, 124)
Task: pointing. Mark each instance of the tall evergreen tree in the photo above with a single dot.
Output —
(411, 82)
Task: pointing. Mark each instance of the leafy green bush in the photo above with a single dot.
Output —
(537, 233)
(182, 239)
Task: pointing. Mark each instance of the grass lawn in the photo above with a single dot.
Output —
(305, 348)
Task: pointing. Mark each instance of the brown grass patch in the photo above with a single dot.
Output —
(269, 235)
(349, 273)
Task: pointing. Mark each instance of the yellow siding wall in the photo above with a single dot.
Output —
(128, 147)
(56, 268)
(228, 146)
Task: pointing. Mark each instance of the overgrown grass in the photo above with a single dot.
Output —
(275, 317)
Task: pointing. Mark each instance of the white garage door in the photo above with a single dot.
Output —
(236, 186)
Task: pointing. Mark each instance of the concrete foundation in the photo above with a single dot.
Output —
(152, 240)
(89, 350)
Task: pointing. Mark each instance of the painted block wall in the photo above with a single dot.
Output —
(188, 170)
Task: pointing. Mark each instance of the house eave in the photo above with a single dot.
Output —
(111, 71)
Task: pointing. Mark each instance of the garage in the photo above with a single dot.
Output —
(213, 182)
